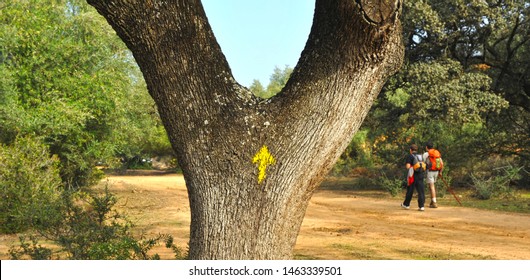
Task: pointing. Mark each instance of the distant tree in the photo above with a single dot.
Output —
(277, 81)
(251, 165)
(257, 88)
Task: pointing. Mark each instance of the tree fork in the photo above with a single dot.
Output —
(252, 165)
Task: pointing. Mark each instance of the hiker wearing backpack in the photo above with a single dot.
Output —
(434, 166)
(416, 167)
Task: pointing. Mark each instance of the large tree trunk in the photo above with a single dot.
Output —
(245, 203)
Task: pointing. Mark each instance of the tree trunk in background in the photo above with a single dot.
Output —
(252, 165)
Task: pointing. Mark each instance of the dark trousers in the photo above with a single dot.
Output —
(420, 188)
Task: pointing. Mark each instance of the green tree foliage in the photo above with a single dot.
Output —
(70, 95)
(56, 70)
(436, 101)
(442, 90)
(277, 81)
(68, 80)
(490, 37)
(137, 131)
(465, 85)
(358, 154)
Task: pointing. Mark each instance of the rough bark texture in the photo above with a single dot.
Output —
(217, 127)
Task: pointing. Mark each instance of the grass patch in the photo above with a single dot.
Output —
(516, 206)
(518, 203)
(358, 252)
(305, 257)
(525, 195)
(426, 255)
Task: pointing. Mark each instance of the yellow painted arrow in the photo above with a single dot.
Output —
(263, 158)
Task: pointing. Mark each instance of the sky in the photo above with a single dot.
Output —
(258, 35)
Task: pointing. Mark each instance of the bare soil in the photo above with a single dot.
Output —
(342, 225)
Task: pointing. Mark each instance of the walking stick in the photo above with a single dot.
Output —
(450, 190)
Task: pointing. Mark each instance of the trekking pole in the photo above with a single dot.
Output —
(450, 190)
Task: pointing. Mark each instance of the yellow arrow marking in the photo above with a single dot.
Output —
(263, 158)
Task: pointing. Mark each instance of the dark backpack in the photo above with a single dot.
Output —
(418, 164)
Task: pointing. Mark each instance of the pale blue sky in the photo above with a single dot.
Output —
(257, 35)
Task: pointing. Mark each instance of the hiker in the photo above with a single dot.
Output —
(434, 166)
(416, 167)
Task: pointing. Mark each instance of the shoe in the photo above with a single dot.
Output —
(404, 206)
(433, 205)
(421, 209)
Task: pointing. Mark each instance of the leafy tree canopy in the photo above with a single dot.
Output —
(277, 81)
(465, 85)
(68, 80)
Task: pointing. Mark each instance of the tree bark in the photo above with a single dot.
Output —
(251, 165)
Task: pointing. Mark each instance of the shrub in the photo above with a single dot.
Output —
(91, 230)
(498, 184)
(83, 225)
(394, 185)
(29, 185)
(33, 250)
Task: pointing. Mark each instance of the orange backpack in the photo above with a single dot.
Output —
(435, 158)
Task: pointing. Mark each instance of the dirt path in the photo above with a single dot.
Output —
(351, 225)
(342, 224)
(367, 228)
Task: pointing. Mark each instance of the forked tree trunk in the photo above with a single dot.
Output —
(252, 165)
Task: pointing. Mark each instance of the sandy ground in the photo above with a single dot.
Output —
(346, 225)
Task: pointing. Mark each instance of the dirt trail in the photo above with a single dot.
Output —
(352, 225)
(343, 224)
(367, 228)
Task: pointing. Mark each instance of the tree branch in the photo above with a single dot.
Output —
(345, 37)
(169, 37)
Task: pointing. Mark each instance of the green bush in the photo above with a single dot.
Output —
(33, 250)
(498, 184)
(91, 230)
(83, 225)
(30, 185)
(393, 185)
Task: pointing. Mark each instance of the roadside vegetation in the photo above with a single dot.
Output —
(74, 103)
(71, 98)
